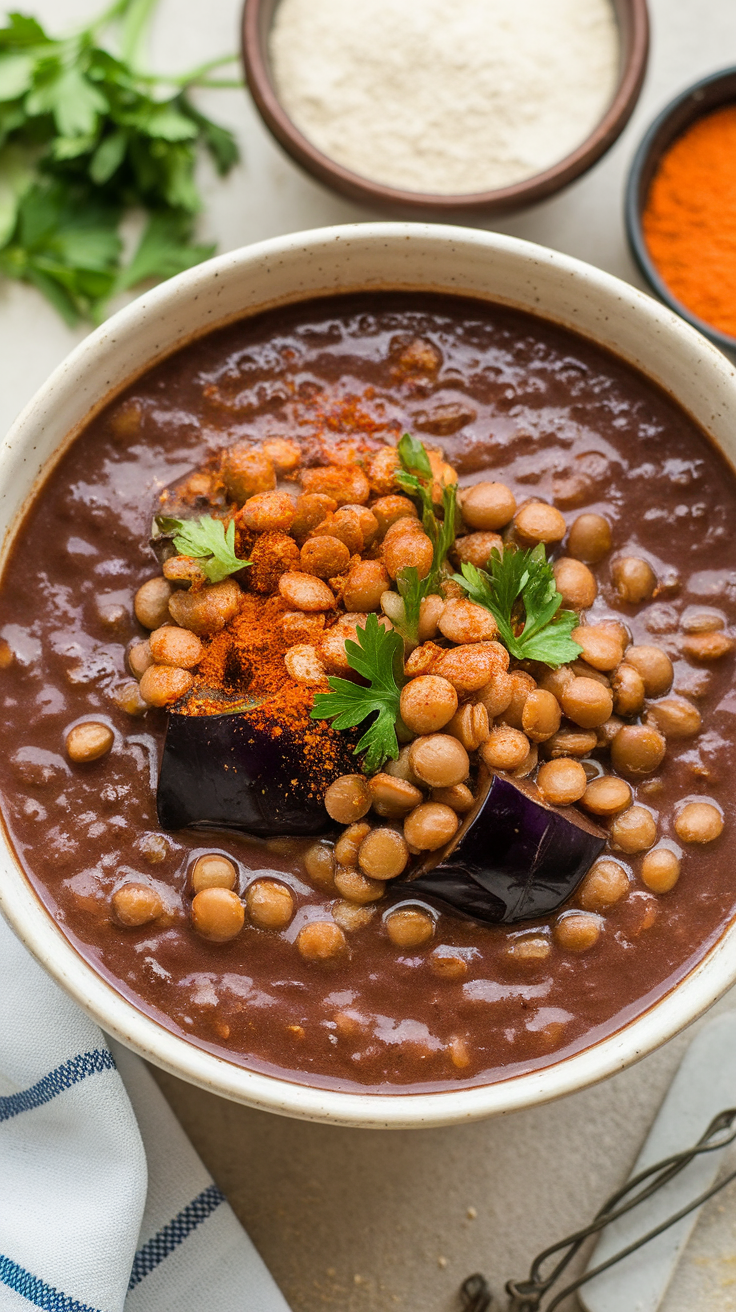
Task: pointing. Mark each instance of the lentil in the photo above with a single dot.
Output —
(217, 914)
(89, 741)
(439, 760)
(408, 928)
(321, 941)
(634, 831)
(209, 610)
(576, 584)
(675, 719)
(537, 522)
(179, 647)
(637, 750)
(430, 826)
(459, 797)
(605, 884)
(213, 871)
(427, 703)
(707, 646)
(348, 799)
(577, 931)
(540, 717)
(586, 702)
(464, 621)
(358, 888)
(383, 854)
(346, 847)
(660, 869)
(634, 579)
(562, 781)
(270, 905)
(655, 668)
(607, 795)
(470, 725)
(136, 904)
(152, 603)
(589, 539)
(699, 822)
(505, 748)
(488, 505)
(162, 685)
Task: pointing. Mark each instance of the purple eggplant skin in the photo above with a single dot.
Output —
(226, 772)
(514, 859)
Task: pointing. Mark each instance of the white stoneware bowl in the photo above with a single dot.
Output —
(286, 269)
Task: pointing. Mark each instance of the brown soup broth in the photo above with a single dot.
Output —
(515, 399)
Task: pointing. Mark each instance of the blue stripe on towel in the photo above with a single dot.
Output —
(72, 1071)
(37, 1291)
(152, 1253)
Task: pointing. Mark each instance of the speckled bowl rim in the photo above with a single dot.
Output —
(632, 18)
(699, 99)
(422, 257)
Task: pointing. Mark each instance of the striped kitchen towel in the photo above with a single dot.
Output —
(104, 1204)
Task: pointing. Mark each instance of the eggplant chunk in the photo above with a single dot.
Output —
(514, 858)
(226, 772)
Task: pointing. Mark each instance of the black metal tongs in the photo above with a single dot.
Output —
(526, 1295)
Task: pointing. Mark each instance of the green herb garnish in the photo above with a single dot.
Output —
(85, 138)
(206, 540)
(416, 478)
(379, 656)
(527, 577)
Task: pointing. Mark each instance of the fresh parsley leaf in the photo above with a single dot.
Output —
(207, 540)
(21, 31)
(526, 577)
(217, 140)
(98, 135)
(413, 456)
(163, 251)
(16, 175)
(70, 252)
(377, 655)
(16, 75)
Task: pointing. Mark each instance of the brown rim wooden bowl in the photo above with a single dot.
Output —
(633, 21)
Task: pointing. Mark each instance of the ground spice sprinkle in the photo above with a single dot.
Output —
(690, 219)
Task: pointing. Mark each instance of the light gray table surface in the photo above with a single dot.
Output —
(366, 1221)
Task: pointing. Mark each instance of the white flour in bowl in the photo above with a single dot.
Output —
(457, 97)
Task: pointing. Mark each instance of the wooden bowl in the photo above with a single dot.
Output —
(708, 94)
(633, 24)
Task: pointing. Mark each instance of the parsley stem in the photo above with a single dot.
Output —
(219, 83)
(108, 16)
(137, 17)
(195, 76)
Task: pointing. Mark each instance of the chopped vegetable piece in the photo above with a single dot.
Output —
(514, 857)
(230, 770)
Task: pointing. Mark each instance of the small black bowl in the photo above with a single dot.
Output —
(710, 93)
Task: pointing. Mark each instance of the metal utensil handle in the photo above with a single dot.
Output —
(526, 1295)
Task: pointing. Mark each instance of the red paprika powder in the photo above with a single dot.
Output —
(689, 219)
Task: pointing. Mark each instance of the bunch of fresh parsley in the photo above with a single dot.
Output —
(207, 541)
(86, 137)
(524, 580)
(416, 479)
(378, 656)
